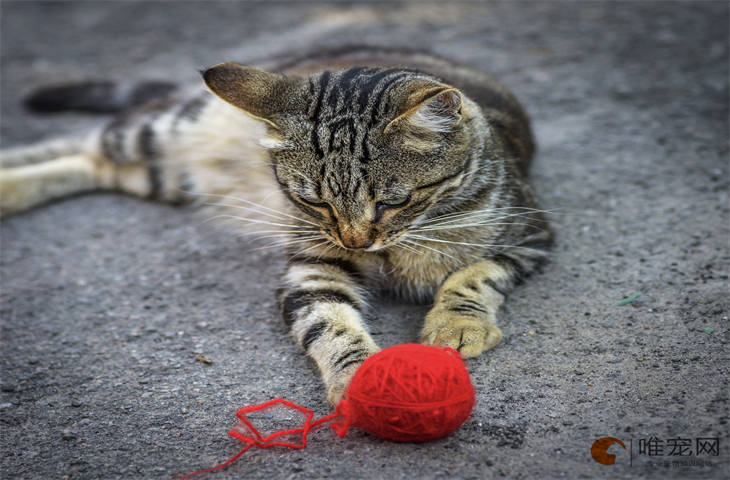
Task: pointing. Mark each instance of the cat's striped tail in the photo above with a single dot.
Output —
(97, 96)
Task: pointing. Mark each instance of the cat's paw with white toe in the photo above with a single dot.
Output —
(337, 386)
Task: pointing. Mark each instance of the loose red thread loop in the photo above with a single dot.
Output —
(405, 393)
(257, 440)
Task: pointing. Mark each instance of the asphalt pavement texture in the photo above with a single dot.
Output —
(110, 304)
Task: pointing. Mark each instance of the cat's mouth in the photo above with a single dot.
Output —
(379, 241)
(372, 245)
(387, 241)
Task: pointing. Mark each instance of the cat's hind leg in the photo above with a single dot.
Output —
(40, 152)
(30, 185)
(128, 155)
(27, 186)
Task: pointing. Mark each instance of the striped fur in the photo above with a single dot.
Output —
(372, 168)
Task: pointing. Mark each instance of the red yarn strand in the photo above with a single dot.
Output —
(222, 465)
(257, 440)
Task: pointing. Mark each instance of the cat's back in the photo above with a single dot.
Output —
(496, 101)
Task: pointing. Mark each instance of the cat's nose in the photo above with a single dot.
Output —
(357, 246)
(356, 239)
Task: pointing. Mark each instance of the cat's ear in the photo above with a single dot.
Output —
(261, 94)
(435, 109)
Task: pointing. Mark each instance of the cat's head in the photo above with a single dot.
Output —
(364, 152)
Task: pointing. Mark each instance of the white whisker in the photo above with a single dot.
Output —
(483, 245)
(248, 209)
(250, 220)
(231, 197)
(330, 246)
(479, 215)
(286, 237)
(283, 231)
(429, 239)
(515, 210)
(310, 248)
(418, 244)
(286, 243)
(466, 225)
(405, 247)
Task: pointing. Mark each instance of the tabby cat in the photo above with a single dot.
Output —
(376, 169)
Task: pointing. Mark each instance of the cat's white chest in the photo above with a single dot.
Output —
(416, 276)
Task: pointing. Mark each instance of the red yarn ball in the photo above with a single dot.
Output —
(408, 393)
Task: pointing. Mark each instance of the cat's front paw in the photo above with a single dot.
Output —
(470, 336)
(337, 386)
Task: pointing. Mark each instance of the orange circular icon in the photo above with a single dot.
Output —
(599, 450)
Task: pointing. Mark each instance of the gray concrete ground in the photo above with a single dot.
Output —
(106, 300)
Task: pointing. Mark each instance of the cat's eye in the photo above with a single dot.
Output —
(314, 203)
(393, 203)
(383, 205)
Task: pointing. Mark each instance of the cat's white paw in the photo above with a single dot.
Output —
(468, 335)
(336, 387)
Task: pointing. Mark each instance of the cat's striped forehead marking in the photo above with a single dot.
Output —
(344, 107)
